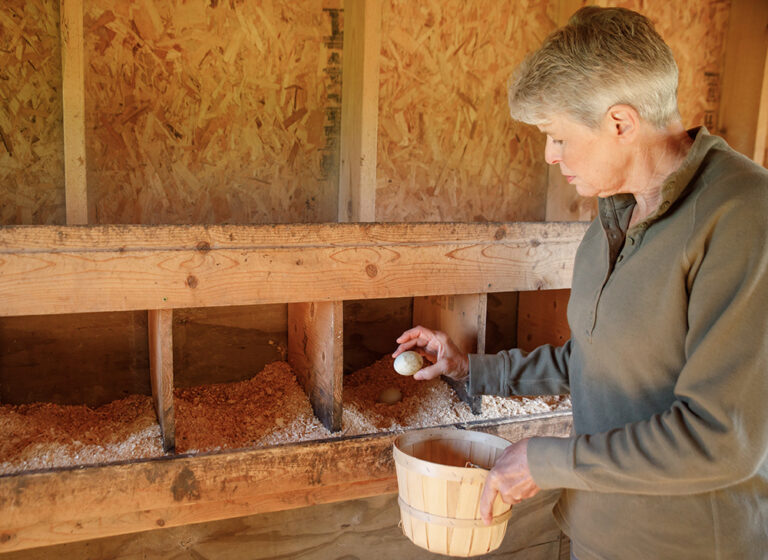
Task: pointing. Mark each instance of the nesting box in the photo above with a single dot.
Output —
(440, 477)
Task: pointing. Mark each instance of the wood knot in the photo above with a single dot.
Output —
(203, 247)
(500, 234)
(371, 270)
(5, 537)
(160, 522)
(191, 281)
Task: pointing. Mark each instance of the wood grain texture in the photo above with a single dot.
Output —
(74, 359)
(359, 110)
(356, 530)
(447, 148)
(160, 331)
(31, 132)
(315, 352)
(212, 112)
(543, 319)
(743, 67)
(761, 134)
(227, 344)
(46, 508)
(49, 270)
(73, 96)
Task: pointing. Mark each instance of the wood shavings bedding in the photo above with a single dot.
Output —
(268, 409)
(424, 403)
(45, 435)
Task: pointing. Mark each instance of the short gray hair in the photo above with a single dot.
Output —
(602, 57)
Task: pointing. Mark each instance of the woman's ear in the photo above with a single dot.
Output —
(623, 121)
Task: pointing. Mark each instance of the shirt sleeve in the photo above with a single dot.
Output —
(544, 371)
(715, 433)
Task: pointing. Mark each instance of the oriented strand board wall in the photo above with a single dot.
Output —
(447, 148)
(31, 153)
(696, 32)
(211, 112)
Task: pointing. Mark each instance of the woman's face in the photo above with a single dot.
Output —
(592, 160)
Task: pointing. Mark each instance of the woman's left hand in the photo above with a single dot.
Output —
(510, 477)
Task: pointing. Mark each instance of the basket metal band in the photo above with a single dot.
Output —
(451, 521)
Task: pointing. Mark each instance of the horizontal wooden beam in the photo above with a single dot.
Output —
(62, 269)
(46, 508)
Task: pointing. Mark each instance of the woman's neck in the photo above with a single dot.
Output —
(663, 153)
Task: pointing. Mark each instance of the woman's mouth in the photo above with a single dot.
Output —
(570, 178)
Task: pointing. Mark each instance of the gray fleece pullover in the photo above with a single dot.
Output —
(667, 367)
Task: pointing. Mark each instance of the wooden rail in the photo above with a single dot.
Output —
(56, 269)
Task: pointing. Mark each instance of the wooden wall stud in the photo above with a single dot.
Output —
(73, 100)
(359, 110)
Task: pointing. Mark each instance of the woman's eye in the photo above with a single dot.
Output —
(555, 141)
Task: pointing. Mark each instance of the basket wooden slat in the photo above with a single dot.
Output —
(440, 475)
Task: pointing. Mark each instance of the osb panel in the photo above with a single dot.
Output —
(31, 134)
(211, 112)
(447, 148)
(696, 33)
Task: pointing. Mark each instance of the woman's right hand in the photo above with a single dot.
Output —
(447, 359)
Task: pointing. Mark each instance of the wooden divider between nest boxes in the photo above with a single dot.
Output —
(315, 340)
(160, 327)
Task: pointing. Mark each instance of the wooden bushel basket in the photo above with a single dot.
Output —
(440, 476)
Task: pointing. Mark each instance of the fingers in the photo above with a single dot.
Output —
(420, 337)
(430, 372)
(403, 347)
(486, 500)
(418, 332)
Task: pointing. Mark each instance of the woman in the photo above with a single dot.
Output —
(667, 365)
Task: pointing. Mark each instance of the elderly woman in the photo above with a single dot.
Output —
(667, 365)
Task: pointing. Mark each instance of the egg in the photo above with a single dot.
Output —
(408, 363)
(390, 395)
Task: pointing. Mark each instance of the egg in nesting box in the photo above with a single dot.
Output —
(390, 395)
(408, 363)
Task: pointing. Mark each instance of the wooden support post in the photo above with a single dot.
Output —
(315, 340)
(743, 71)
(160, 326)
(359, 110)
(73, 105)
(462, 318)
(761, 136)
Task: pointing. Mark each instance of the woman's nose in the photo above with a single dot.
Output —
(552, 152)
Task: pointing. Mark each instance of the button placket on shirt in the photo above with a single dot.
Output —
(615, 239)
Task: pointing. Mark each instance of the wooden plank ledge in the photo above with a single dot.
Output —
(59, 269)
(52, 507)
